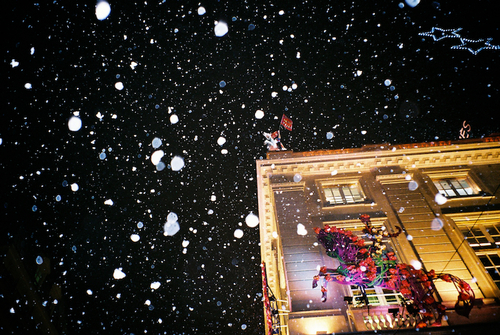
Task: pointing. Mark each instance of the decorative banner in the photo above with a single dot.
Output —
(286, 122)
(267, 305)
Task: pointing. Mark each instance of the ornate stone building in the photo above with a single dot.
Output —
(444, 195)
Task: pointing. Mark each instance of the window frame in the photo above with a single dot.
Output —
(343, 194)
(487, 223)
(480, 241)
(342, 184)
(454, 188)
(378, 293)
(494, 266)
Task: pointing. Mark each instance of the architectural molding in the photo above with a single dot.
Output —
(407, 158)
(383, 172)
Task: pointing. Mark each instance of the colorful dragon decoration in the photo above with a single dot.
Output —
(371, 264)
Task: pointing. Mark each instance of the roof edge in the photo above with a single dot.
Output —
(379, 147)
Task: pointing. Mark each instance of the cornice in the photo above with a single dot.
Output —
(410, 158)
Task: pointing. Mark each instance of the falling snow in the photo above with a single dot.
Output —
(252, 220)
(440, 199)
(177, 163)
(131, 131)
(74, 123)
(119, 274)
(102, 10)
(220, 29)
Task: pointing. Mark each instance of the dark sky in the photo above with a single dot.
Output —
(338, 53)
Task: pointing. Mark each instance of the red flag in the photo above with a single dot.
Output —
(286, 122)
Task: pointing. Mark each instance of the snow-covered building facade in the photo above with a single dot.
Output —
(444, 195)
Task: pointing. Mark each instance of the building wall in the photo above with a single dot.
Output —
(398, 189)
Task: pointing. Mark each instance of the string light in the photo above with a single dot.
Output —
(438, 34)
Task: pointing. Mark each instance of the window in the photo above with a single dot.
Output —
(493, 230)
(491, 262)
(376, 296)
(343, 194)
(482, 238)
(341, 190)
(481, 235)
(477, 236)
(482, 232)
(455, 187)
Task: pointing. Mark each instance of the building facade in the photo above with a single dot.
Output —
(444, 195)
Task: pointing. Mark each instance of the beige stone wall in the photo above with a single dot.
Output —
(383, 172)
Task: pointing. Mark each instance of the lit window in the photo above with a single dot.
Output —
(376, 296)
(491, 262)
(494, 231)
(458, 187)
(343, 194)
(480, 236)
(476, 236)
(482, 232)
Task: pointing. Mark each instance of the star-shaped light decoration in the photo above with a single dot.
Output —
(438, 33)
(488, 45)
(475, 46)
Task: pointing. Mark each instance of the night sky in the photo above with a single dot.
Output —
(347, 73)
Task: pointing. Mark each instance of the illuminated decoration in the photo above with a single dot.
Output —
(438, 34)
(467, 44)
(273, 141)
(368, 264)
(267, 305)
(465, 131)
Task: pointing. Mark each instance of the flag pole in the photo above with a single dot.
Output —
(279, 136)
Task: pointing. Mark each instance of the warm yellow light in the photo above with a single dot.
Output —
(318, 325)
